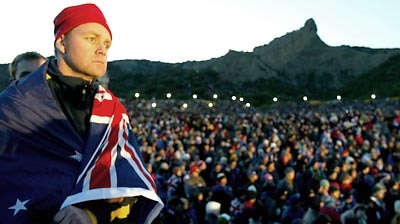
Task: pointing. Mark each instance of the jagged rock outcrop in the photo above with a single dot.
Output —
(300, 58)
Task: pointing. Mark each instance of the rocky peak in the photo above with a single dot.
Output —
(281, 50)
(310, 26)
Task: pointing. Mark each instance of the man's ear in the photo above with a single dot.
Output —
(60, 44)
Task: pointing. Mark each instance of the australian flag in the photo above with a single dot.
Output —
(45, 165)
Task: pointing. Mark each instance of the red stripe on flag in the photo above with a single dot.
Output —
(137, 161)
(100, 177)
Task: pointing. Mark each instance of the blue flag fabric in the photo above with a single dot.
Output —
(45, 165)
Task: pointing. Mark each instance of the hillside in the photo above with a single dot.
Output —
(300, 58)
(383, 81)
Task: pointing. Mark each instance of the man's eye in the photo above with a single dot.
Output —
(91, 39)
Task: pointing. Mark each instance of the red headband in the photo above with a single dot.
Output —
(74, 16)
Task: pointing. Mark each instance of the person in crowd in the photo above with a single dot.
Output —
(287, 183)
(212, 212)
(315, 172)
(313, 210)
(24, 64)
(68, 153)
(197, 206)
(356, 215)
(195, 182)
(324, 188)
(161, 180)
(253, 181)
(273, 206)
(376, 209)
(252, 207)
(331, 204)
(175, 211)
(322, 219)
(175, 185)
(396, 216)
(234, 173)
(212, 175)
(237, 203)
(222, 192)
(364, 183)
(293, 211)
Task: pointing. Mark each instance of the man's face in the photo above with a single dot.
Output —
(223, 181)
(25, 67)
(84, 51)
(380, 195)
(291, 175)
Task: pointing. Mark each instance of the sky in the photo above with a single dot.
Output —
(176, 31)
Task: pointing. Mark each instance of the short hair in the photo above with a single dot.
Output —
(289, 169)
(29, 55)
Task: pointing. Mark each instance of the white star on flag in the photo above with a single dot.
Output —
(77, 156)
(19, 205)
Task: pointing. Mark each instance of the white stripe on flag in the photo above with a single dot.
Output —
(100, 119)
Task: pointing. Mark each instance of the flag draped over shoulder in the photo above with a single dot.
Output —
(45, 165)
(114, 168)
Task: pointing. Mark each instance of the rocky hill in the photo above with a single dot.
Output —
(299, 58)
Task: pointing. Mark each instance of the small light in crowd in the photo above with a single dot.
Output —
(305, 98)
(194, 96)
(154, 105)
(185, 105)
(215, 96)
(169, 95)
(338, 97)
(137, 95)
(247, 105)
(233, 98)
(210, 104)
(275, 99)
(373, 96)
(241, 99)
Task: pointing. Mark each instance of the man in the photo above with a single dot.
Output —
(24, 64)
(355, 215)
(222, 192)
(287, 183)
(376, 207)
(67, 150)
(194, 182)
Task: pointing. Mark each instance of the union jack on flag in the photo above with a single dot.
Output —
(115, 168)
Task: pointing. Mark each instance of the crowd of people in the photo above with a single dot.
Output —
(335, 162)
